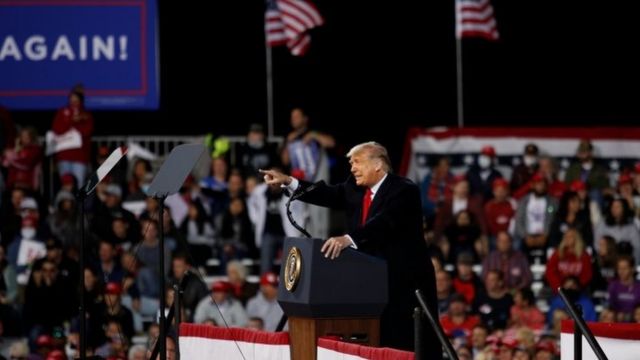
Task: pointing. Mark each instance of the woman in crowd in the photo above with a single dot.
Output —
(624, 292)
(569, 259)
(618, 223)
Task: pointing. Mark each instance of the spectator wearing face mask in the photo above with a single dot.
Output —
(483, 173)
(28, 244)
(256, 153)
(523, 172)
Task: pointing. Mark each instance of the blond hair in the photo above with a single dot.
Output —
(578, 248)
(375, 151)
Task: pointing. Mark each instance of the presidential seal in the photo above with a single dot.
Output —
(292, 269)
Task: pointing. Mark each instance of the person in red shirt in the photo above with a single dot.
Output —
(500, 210)
(457, 319)
(24, 161)
(466, 282)
(524, 311)
(74, 116)
(570, 259)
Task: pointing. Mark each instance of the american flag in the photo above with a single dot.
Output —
(474, 18)
(287, 23)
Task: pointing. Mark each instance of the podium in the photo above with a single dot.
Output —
(342, 297)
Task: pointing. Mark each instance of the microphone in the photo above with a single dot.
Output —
(300, 191)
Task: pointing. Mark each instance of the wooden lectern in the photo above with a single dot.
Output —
(342, 297)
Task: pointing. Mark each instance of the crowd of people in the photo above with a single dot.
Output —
(227, 215)
(582, 228)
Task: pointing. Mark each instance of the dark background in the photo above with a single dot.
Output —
(382, 67)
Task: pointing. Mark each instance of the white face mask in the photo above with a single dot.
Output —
(28, 232)
(256, 144)
(71, 352)
(529, 160)
(587, 165)
(484, 161)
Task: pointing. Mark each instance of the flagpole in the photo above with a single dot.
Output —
(459, 82)
(269, 90)
(459, 88)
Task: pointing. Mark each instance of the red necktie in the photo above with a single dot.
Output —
(366, 203)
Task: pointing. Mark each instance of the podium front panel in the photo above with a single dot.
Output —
(352, 285)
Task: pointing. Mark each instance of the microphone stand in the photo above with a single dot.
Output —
(174, 311)
(296, 194)
(163, 321)
(81, 197)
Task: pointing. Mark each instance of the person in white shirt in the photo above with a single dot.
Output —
(533, 218)
(265, 304)
(228, 311)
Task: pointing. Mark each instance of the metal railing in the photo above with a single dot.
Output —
(435, 325)
(580, 329)
(159, 145)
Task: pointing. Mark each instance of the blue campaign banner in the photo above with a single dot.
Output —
(109, 46)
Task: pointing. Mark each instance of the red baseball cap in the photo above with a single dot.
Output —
(577, 185)
(547, 346)
(67, 179)
(488, 150)
(625, 179)
(499, 182)
(493, 339)
(221, 286)
(509, 342)
(113, 288)
(269, 278)
(458, 178)
(298, 174)
(56, 355)
(537, 177)
(44, 340)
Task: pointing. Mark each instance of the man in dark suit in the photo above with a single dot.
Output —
(385, 220)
